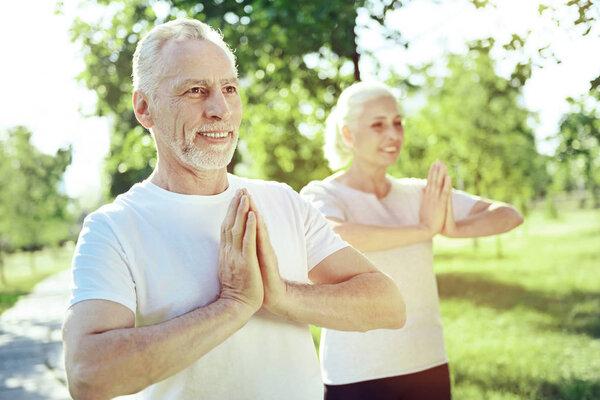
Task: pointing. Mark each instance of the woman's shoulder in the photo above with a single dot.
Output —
(324, 186)
(407, 187)
(408, 183)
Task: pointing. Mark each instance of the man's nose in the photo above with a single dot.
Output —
(217, 107)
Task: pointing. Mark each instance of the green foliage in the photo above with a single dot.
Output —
(271, 39)
(473, 121)
(33, 211)
(578, 151)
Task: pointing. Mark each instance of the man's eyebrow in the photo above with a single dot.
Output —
(203, 82)
(233, 80)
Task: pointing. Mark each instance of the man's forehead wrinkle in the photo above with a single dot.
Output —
(178, 81)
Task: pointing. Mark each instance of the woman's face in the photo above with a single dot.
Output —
(376, 135)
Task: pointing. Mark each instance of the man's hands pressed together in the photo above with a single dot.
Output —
(249, 274)
(239, 271)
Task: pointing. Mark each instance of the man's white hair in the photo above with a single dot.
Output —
(146, 59)
(348, 108)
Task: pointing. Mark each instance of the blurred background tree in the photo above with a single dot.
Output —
(295, 58)
(472, 119)
(286, 100)
(578, 151)
(33, 208)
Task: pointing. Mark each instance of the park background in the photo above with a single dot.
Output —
(520, 311)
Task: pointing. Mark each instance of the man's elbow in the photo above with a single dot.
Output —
(82, 384)
(394, 316)
(397, 318)
(86, 382)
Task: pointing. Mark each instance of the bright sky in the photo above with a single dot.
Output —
(38, 89)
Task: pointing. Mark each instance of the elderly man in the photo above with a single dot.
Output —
(195, 283)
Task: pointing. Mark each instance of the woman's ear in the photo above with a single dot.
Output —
(141, 107)
(347, 136)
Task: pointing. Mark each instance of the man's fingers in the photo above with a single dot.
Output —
(230, 217)
(263, 234)
(239, 226)
(249, 241)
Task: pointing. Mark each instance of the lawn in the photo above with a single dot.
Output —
(523, 326)
(526, 325)
(20, 276)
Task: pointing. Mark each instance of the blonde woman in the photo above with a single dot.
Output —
(393, 222)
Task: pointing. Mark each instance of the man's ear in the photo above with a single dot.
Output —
(347, 136)
(141, 107)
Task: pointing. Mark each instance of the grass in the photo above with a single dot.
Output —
(526, 325)
(523, 326)
(20, 279)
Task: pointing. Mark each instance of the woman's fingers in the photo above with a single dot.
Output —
(443, 174)
(429, 187)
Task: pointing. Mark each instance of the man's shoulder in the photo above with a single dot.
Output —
(119, 205)
(262, 185)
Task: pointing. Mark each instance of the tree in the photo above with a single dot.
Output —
(579, 145)
(33, 211)
(472, 120)
(272, 40)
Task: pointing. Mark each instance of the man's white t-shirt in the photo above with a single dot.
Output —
(348, 357)
(156, 253)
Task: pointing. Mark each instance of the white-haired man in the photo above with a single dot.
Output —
(197, 284)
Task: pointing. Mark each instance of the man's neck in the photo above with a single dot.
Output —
(186, 181)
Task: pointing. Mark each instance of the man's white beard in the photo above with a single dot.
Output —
(209, 157)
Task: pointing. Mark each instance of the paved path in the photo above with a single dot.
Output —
(31, 365)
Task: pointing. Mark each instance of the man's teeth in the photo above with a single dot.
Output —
(390, 148)
(214, 134)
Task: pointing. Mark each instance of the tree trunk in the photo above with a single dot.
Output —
(499, 252)
(32, 262)
(355, 58)
(2, 272)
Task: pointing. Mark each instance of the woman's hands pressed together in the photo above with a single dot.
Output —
(436, 199)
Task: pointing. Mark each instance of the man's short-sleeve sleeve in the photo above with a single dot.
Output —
(321, 241)
(462, 202)
(324, 200)
(99, 269)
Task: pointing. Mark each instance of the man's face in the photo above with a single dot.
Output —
(197, 109)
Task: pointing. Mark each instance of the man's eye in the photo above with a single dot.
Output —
(231, 90)
(194, 90)
(377, 125)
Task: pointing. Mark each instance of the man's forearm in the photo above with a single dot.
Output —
(124, 361)
(364, 302)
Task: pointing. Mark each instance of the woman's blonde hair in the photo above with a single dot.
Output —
(348, 108)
